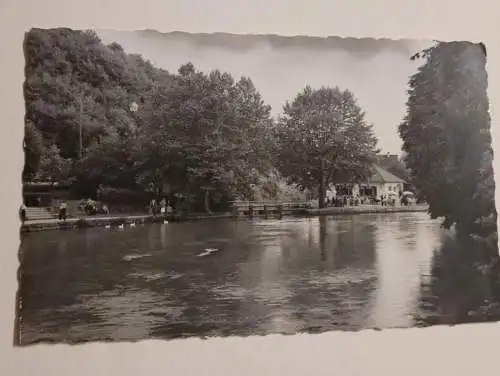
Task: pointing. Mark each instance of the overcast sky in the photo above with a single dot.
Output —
(376, 71)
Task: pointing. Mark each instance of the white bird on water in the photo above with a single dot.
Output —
(132, 224)
(165, 222)
(208, 252)
(121, 226)
(107, 227)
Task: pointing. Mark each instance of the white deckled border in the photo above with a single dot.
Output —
(461, 350)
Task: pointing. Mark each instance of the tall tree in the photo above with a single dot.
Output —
(34, 150)
(77, 86)
(323, 137)
(446, 136)
(206, 134)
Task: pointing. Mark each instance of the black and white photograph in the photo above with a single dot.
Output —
(183, 185)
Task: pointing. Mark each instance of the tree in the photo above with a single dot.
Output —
(53, 166)
(323, 137)
(74, 82)
(206, 135)
(34, 150)
(446, 137)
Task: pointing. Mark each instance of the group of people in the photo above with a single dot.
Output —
(91, 207)
(355, 200)
(163, 208)
(345, 200)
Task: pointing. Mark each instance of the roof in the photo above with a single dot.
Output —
(381, 176)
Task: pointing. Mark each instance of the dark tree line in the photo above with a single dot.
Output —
(212, 138)
(191, 131)
(206, 136)
(447, 140)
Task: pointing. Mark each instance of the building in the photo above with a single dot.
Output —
(43, 194)
(382, 182)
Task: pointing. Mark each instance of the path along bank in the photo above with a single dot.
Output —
(131, 220)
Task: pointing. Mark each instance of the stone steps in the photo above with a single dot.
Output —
(39, 213)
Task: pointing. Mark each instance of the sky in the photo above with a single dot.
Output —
(376, 71)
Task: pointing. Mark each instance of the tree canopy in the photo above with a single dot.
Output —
(323, 138)
(446, 136)
(207, 133)
(192, 132)
(73, 80)
(105, 119)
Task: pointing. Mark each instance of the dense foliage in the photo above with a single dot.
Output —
(206, 137)
(323, 138)
(116, 126)
(192, 133)
(446, 136)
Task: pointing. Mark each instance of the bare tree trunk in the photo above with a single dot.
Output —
(207, 201)
(322, 186)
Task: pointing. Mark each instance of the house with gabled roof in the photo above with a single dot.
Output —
(382, 182)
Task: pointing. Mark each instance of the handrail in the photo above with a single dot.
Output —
(268, 202)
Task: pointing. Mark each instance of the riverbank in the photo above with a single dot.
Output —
(108, 220)
(127, 220)
(367, 209)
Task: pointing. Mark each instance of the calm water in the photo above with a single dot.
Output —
(271, 276)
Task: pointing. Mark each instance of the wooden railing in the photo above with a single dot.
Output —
(266, 208)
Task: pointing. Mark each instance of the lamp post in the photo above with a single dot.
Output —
(80, 116)
(322, 139)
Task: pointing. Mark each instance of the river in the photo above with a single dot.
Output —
(270, 276)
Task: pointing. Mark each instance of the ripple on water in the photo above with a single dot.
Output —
(341, 277)
(230, 291)
(154, 276)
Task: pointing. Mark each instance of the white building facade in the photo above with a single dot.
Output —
(381, 183)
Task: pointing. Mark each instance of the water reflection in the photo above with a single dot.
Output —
(294, 275)
(401, 252)
(462, 288)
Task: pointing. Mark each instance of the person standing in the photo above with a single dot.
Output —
(163, 207)
(153, 207)
(63, 209)
(170, 210)
(22, 213)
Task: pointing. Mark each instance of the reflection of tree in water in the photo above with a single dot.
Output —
(464, 284)
(349, 244)
(336, 293)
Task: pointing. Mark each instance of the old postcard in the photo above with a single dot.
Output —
(199, 185)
